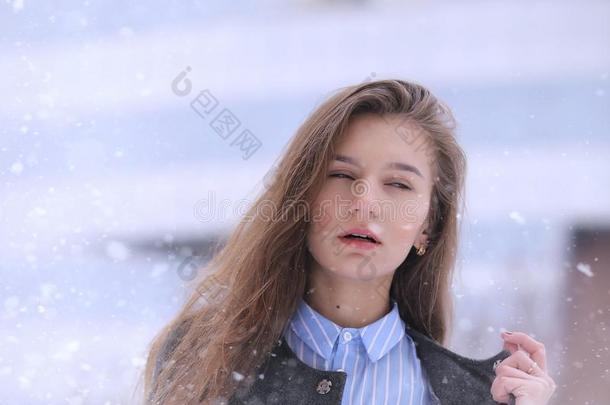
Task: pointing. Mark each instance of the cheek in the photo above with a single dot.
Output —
(325, 248)
(413, 214)
(324, 217)
(407, 229)
(322, 225)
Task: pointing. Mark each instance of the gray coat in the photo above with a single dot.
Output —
(454, 379)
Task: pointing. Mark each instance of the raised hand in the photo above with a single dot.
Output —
(523, 373)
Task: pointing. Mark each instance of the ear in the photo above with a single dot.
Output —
(422, 238)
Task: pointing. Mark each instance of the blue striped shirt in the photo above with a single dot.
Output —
(380, 358)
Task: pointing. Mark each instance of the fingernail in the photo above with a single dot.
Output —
(506, 332)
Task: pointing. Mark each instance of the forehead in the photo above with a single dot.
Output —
(374, 140)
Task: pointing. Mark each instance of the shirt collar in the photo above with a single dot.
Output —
(320, 333)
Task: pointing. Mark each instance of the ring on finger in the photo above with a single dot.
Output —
(534, 364)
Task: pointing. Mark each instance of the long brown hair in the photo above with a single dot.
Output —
(250, 288)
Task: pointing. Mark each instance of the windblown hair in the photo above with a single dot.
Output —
(251, 286)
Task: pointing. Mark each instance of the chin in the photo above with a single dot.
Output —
(350, 271)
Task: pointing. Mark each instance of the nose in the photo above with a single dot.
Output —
(364, 197)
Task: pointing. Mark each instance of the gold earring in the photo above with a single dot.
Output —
(421, 250)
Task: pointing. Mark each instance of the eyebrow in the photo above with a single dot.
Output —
(392, 165)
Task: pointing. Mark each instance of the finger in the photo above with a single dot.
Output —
(542, 378)
(508, 370)
(518, 387)
(511, 347)
(533, 347)
(501, 391)
(519, 361)
(530, 391)
(498, 391)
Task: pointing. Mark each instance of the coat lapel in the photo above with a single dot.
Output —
(456, 379)
(287, 380)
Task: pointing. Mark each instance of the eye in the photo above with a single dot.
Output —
(400, 185)
(341, 176)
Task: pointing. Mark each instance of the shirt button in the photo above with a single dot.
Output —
(347, 336)
(324, 386)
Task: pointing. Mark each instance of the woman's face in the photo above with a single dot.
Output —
(380, 180)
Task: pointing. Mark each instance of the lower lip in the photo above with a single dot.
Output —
(360, 244)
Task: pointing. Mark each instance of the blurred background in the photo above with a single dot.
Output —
(117, 174)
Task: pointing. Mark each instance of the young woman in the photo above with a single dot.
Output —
(335, 286)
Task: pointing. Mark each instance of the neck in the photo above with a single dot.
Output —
(347, 302)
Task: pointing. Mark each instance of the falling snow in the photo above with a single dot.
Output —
(585, 269)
